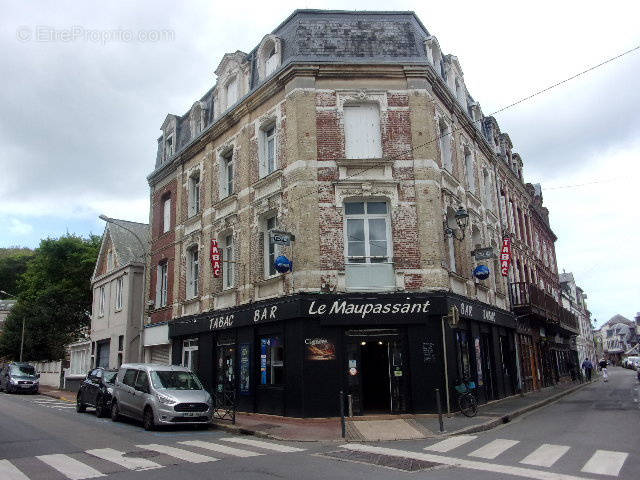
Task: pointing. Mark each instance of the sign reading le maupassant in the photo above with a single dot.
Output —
(369, 310)
(216, 259)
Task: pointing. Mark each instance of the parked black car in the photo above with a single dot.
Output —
(19, 377)
(96, 390)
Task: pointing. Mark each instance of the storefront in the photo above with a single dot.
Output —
(292, 355)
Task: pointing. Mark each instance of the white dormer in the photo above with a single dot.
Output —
(169, 137)
(269, 56)
(233, 81)
(434, 55)
(197, 118)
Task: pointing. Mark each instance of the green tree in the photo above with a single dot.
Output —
(13, 263)
(54, 298)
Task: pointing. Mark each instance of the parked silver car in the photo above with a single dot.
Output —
(160, 395)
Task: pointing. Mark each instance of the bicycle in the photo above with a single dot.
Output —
(466, 399)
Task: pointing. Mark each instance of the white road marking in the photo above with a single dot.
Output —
(215, 447)
(463, 463)
(185, 455)
(545, 455)
(605, 462)
(492, 449)
(450, 443)
(266, 445)
(8, 471)
(130, 463)
(70, 467)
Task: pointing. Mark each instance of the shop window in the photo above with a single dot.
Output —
(190, 354)
(367, 232)
(362, 131)
(271, 361)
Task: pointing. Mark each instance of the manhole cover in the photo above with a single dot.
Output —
(400, 463)
(141, 454)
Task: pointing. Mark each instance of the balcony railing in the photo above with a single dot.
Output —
(528, 297)
(370, 277)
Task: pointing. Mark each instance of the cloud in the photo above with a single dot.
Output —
(18, 227)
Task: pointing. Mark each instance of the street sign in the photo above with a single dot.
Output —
(279, 237)
(483, 253)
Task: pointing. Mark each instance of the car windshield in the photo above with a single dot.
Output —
(170, 380)
(109, 377)
(22, 370)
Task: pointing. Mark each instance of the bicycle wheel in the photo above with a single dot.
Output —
(468, 405)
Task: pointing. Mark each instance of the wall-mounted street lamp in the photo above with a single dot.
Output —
(462, 220)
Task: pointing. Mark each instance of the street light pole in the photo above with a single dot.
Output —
(144, 280)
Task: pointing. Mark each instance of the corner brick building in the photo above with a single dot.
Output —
(353, 132)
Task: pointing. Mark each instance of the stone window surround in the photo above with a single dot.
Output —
(264, 123)
(263, 50)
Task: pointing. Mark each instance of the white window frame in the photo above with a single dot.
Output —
(162, 284)
(119, 286)
(189, 346)
(359, 129)
(101, 301)
(268, 165)
(194, 194)
(228, 270)
(227, 183)
(193, 271)
(166, 214)
(365, 217)
(444, 140)
(271, 251)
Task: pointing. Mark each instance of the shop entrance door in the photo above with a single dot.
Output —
(376, 393)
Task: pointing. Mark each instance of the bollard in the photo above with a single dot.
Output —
(342, 424)
(439, 410)
(350, 405)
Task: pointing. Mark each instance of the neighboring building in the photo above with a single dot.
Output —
(117, 295)
(618, 334)
(355, 133)
(5, 308)
(574, 300)
(79, 355)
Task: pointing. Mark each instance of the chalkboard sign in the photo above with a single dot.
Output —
(428, 352)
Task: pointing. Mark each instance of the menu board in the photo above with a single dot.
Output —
(428, 352)
(319, 349)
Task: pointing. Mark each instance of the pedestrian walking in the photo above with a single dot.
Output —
(588, 367)
(603, 367)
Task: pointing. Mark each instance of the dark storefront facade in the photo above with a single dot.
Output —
(291, 356)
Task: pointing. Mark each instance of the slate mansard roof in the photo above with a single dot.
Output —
(328, 36)
(126, 247)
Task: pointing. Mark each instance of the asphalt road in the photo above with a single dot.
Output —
(591, 434)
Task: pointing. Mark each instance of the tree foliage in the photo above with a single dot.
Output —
(54, 298)
(13, 263)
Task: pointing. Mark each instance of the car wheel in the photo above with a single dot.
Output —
(100, 410)
(148, 421)
(80, 407)
(115, 412)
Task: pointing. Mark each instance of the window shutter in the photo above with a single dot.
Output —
(362, 131)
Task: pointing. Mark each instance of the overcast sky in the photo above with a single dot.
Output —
(86, 85)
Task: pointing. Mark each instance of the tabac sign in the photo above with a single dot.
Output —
(216, 259)
(505, 256)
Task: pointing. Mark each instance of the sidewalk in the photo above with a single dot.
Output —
(59, 394)
(395, 427)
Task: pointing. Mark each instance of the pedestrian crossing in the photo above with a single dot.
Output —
(93, 463)
(600, 462)
(53, 403)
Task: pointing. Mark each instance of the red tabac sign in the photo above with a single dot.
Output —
(216, 259)
(505, 256)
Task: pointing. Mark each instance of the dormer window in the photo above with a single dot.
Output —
(269, 56)
(272, 62)
(169, 147)
(232, 91)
